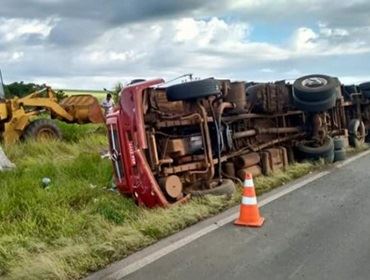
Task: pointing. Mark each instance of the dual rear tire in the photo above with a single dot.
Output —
(312, 150)
(315, 93)
(339, 148)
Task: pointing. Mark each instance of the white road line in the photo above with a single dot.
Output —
(161, 253)
(142, 262)
(347, 161)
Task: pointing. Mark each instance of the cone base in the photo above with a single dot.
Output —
(257, 223)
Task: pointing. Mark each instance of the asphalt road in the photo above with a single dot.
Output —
(321, 231)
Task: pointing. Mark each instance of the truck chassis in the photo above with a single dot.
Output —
(170, 143)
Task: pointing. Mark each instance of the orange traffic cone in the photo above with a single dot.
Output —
(249, 212)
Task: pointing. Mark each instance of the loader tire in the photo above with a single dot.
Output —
(315, 88)
(227, 187)
(325, 151)
(42, 129)
(193, 90)
(357, 133)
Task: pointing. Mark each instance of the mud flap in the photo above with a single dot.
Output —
(5, 163)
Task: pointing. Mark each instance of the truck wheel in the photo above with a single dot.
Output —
(227, 187)
(365, 89)
(193, 90)
(314, 106)
(348, 90)
(42, 129)
(312, 150)
(315, 88)
(364, 86)
(366, 93)
(339, 155)
(339, 143)
(357, 133)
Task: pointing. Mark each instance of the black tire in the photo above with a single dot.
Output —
(193, 90)
(365, 89)
(315, 87)
(135, 81)
(365, 86)
(366, 93)
(340, 155)
(325, 151)
(227, 187)
(314, 106)
(42, 129)
(339, 143)
(330, 158)
(357, 133)
(350, 89)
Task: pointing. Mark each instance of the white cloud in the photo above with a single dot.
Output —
(212, 32)
(112, 56)
(328, 41)
(205, 38)
(173, 47)
(6, 57)
(267, 70)
(11, 29)
(304, 40)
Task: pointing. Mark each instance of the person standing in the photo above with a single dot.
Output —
(108, 104)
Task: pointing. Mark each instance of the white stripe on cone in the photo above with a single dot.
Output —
(249, 200)
(248, 183)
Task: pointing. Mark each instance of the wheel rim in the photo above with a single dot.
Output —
(314, 82)
(360, 133)
(45, 134)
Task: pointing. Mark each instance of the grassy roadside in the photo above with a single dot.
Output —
(78, 225)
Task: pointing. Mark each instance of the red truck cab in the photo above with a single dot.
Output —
(127, 143)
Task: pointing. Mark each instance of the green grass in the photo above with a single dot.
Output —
(99, 94)
(77, 225)
(74, 132)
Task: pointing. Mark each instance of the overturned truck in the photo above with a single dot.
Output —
(170, 143)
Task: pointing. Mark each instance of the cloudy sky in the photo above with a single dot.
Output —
(93, 44)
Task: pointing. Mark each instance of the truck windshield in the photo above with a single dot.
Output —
(2, 92)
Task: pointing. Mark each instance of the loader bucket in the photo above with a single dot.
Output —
(84, 108)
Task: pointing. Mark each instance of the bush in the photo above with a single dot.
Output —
(20, 89)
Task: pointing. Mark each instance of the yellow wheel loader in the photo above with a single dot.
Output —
(16, 114)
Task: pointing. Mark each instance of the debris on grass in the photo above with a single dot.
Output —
(5, 163)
